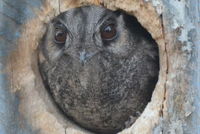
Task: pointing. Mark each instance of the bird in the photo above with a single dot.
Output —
(100, 66)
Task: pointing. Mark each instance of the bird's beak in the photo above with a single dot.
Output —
(84, 56)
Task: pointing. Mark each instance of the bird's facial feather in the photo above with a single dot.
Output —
(87, 32)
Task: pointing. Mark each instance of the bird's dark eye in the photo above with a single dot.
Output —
(60, 36)
(108, 32)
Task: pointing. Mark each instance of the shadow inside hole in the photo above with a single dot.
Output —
(99, 66)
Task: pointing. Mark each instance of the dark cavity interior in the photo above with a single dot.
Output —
(99, 66)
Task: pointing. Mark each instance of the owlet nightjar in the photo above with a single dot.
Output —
(100, 67)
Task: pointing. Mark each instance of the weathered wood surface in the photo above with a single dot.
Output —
(13, 14)
(182, 35)
(175, 107)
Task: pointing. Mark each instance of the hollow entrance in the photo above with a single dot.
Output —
(100, 67)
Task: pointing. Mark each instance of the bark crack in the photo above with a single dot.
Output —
(167, 67)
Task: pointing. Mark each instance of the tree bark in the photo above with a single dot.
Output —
(181, 24)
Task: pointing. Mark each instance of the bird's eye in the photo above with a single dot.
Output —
(108, 32)
(60, 36)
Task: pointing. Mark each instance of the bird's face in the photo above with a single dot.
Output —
(85, 32)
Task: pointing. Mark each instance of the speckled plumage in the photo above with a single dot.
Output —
(99, 84)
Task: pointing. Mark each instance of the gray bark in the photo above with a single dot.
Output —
(182, 33)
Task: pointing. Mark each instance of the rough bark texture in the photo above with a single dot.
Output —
(174, 108)
(181, 26)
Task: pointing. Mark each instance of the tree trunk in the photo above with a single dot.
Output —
(26, 108)
(181, 25)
